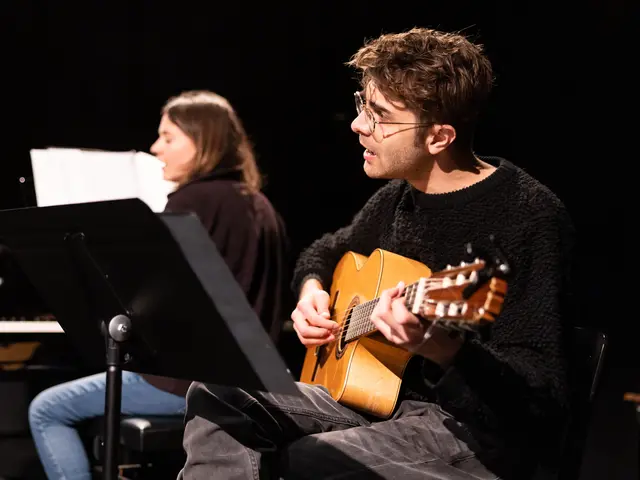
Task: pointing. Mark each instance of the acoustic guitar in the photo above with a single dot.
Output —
(361, 369)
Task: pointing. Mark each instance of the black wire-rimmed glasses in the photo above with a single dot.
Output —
(361, 106)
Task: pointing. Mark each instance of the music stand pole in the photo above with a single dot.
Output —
(117, 332)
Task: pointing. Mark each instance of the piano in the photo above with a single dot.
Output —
(33, 348)
(23, 315)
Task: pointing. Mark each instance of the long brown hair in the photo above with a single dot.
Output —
(218, 134)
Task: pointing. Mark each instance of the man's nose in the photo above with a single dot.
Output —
(360, 126)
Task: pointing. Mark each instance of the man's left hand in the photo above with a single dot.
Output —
(402, 328)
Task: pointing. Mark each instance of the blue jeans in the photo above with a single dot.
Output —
(54, 413)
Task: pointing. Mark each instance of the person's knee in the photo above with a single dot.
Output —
(193, 389)
(193, 398)
(207, 398)
(57, 404)
(42, 407)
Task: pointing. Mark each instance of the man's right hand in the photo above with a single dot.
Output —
(311, 318)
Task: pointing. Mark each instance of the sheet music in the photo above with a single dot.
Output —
(65, 176)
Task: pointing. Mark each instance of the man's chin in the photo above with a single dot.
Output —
(372, 172)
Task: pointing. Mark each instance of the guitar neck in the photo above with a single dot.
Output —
(360, 323)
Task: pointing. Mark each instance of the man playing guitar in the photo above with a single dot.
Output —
(470, 406)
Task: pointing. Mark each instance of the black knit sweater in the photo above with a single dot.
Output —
(515, 378)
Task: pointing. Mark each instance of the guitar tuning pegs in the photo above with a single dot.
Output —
(495, 264)
(500, 259)
(473, 254)
(468, 250)
(495, 260)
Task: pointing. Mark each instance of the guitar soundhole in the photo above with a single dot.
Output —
(344, 330)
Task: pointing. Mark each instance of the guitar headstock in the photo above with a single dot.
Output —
(468, 295)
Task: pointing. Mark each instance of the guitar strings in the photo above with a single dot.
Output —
(347, 311)
(356, 324)
(367, 307)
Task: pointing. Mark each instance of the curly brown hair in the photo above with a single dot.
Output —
(443, 77)
(219, 135)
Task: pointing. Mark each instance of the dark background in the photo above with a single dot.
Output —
(95, 75)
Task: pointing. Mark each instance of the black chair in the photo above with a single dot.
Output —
(150, 446)
(588, 348)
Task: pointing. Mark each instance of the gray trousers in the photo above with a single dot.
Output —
(231, 434)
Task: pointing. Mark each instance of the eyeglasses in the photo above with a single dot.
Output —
(361, 106)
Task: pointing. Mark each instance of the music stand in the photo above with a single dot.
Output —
(150, 291)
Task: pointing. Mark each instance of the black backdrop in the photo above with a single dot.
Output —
(95, 74)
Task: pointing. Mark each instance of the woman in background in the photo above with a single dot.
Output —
(208, 155)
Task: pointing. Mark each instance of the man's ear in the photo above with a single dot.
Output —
(439, 138)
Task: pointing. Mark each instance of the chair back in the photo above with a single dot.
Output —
(587, 353)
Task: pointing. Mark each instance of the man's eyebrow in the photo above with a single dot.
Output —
(376, 107)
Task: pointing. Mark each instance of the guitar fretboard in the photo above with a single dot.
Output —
(359, 321)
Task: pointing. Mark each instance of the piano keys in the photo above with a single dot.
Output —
(43, 325)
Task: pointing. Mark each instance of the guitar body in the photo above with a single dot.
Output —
(366, 373)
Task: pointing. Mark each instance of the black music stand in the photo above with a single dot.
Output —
(150, 291)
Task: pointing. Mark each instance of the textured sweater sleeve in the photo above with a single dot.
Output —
(517, 376)
(362, 236)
